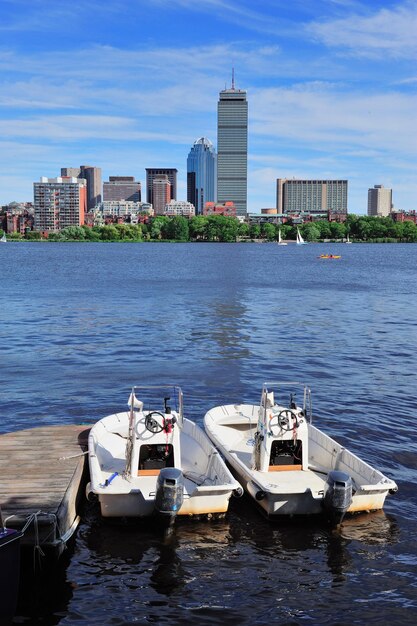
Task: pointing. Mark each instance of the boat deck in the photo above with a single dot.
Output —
(286, 480)
(42, 481)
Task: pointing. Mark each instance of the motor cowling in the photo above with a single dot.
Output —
(337, 494)
(169, 493)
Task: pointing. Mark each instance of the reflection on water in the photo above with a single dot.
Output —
(219, 320)
(374, 528)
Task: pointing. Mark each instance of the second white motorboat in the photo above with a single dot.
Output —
(150, 461)
(289, 466)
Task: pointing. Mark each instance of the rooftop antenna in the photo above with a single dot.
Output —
(233, 78)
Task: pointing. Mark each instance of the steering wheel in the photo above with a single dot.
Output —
(155, 422)
(285, 420)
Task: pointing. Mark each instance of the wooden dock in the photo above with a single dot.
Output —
(42, 479)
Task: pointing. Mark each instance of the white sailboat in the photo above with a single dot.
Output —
(347, 239)
(300, 240)
(280, 242)
(3, 239)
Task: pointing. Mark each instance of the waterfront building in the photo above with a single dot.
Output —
(319, 197)
(18, 218)
(152, 173)
(125, 208)
(404, 216)
(179, 207)
(59, 202)
(379, 201)
(92, 175)
(232, 148)
(122, 188)
(201, 174)
(220, 208)
(161, 193)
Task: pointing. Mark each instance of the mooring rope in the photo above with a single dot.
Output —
(37, 548)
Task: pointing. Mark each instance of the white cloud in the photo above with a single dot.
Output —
(336, 119)
(385, 33)
(72, 128)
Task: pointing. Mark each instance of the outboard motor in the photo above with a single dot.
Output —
(169, 494)
(337, 495)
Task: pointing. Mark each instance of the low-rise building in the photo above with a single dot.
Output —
(124, 208)
(179, 207)
(220, 208)
(403, 216)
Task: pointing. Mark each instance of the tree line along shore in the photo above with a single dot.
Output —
(219, 228)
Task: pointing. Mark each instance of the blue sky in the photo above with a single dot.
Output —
(131, 84)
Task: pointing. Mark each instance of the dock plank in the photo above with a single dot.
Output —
(43, 469)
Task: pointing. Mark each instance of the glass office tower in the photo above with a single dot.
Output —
(232, 148)
(201, 174)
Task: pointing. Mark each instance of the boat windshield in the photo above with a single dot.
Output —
(291, 395)
(164, 398)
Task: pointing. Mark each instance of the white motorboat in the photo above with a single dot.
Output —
(153, 461)
(289, 466)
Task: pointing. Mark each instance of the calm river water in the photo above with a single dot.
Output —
(81, 323)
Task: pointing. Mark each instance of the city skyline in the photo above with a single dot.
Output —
(331, 87)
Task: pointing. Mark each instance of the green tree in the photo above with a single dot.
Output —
(198, 227)
(178, 228)
(310, 232)
(109, 233)
(409, 231)
(123, 231)
(159, 227)
(243, 229)
(56, 237)
(15, 236)
(33, 235)
(91, 234)
(324, 228)
(76, 233)
(255, 231)
(285, 231)
(268, 231)
(222, 228)
(337, 230)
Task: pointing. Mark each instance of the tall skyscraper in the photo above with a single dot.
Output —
(122, 188)
(232, 148)
(59, 202)
(161, 193)
(93, 177)
(201, 174)
(151, 173)
(311, 196)
(379, 201)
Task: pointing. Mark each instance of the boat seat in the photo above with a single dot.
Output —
(285, 468)
(148, 472)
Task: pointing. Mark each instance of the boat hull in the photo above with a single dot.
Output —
(294, 491)
(208, 484)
